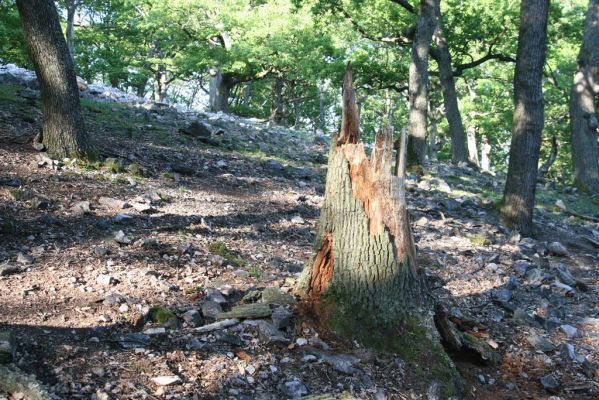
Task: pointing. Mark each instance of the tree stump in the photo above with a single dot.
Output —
(362, 280)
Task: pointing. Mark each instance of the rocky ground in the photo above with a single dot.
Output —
(166, 270)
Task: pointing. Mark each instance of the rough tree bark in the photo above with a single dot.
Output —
(583, 115)
(418, 83)
(363, 280)
(450, 98)
(62, 126)
(519, 194)
(544, 170)
(220, 89)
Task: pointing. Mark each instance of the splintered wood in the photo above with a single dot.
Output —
(322, 269)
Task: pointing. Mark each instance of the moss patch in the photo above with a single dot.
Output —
(413, 339)
(220, 248)
(163, 316)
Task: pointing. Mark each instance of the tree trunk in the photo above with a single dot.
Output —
(418, 83)
(472, 150)
(276, 108)
(519, 194)
(544, 170)
(363, 279)
(583, 115)
(450, 98)
(160, 84)
(141, 87)
(71, 8)
(220, 88)
(247, 94)
(321, 111)
(63, 129)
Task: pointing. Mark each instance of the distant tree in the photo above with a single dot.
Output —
(519, 194)
(583, 115)
(62, 127)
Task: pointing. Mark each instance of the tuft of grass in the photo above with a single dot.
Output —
(220, 248)
(255, 271)
(480, 240)
(113, 165)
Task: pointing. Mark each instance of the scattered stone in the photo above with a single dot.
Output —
(121, 238)
(281, 317)
(101, 251)
(534, 277)
(81, 208)
(256, 310)
(105, 318)
(293, 389)
(122, 218)
(9, 269)
(215, 295)
(144, 208)
(541, 343)
(241, 273)
(98, 371)
(343, 363)
(8, 347)
(562, 288)
(24, 259)
(211, 309)
(301, 341)
(123, 308)
(193, 318)
(133, 340)
(274, 295)
(166, 380)
(196, 129)
(550, 384)
(268, 333)
(520, 267)
(570, 331)
(558, 249)
(227, 323)
(297, 220)
(568, 349)
(112, 203)
(155, 331)
(106, 280)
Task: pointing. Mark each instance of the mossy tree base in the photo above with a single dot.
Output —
(363, 281)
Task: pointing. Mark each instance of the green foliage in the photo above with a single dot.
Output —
(162, 316)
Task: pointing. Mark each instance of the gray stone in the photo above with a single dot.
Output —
(564, 275)
(568, 349)
(197, 129)
(216, 296)
(562, 288)
(155, 331)
(268, 333)
(193, 318)
(8, 269)
(541, 343)
(8, 347)
(503, 295)
(24, 259)
(166, 380)
(83, 207)
(112, 203)
(122, 218)
(520, 267)
(550, 384)
(570, 331)
(211, 309)
(293, 389)
(274, 295)
(241, 273)
(121, 238)
(534, 277)
(106, 280)
(557, 249)
(281, 317)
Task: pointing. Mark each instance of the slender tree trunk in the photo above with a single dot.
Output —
(519, 194)
(418, 83)
(276, 108)
(363, 279)
(472, 148)
(141, 87)
(247, 94)
(583, 115)
(71, 8)
(321, 111)
(64, 133)
(450, 98)
(160, 84)
(544, 170)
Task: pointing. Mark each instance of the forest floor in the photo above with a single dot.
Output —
(112, 272)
